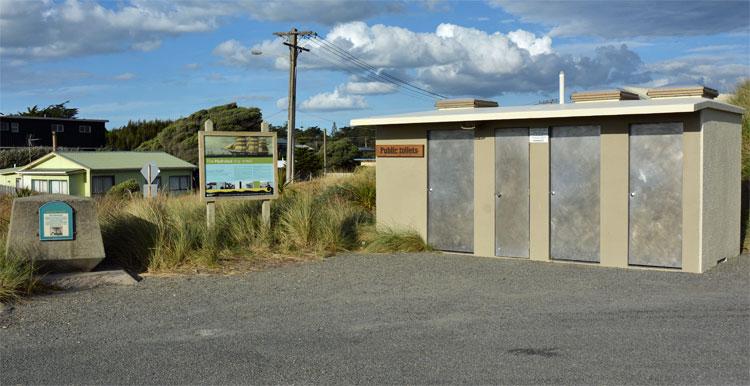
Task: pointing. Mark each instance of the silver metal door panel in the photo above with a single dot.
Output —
(656, 195)
(574, 193)
(450, 169)
(512, 192)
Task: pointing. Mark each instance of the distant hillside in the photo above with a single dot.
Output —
(180, 138)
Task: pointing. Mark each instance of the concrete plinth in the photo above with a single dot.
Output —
(82, 253)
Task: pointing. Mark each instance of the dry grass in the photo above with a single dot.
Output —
(310, 220)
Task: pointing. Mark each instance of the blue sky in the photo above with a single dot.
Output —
(139, 59)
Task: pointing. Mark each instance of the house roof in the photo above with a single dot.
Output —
(586, 109)
(52, 171)
(9, 170)
(53, 118)
(119, 160)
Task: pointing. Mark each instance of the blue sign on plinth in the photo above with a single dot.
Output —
(56, 221)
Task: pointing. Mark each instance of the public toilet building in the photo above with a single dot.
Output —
(610, 179)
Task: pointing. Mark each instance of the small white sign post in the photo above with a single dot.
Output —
(150, 171)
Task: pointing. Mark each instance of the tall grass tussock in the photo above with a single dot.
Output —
(309, 220)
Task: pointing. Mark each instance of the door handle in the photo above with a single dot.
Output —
(632, 194)
(499, 195)
(552, 193)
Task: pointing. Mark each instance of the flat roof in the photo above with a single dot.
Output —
(568, 110)
(54, 119)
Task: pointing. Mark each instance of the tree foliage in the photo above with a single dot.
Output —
(180, 138)
(341, 154)
(135, 133)
(21, 156)
(307, 163)
(52, 111)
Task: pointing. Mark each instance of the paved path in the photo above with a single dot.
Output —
(405, 319)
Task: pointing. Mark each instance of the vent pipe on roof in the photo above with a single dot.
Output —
(562, 87)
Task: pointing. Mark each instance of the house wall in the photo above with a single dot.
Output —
(124, 175)
(41, 130)
(721, 186)
(57, 162)
(402, 184)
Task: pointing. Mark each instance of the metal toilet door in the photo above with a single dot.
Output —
(512, 192)
(450, 197)
(656, 195)
(574, 193)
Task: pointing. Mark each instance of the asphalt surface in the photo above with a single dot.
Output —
(392, 319)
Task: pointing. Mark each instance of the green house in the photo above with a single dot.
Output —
(92, 173)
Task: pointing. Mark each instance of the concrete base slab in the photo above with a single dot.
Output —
(87, 280)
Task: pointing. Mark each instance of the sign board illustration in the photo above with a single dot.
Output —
(238, 165)
(56, 221)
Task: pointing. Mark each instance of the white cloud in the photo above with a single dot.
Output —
(718, 72)
(368, 88)
(453, 60)
(333, 101)
(282, 103)
(618, 19)
(52, 29)
(192, 66)
(327, 12)
(125, 76)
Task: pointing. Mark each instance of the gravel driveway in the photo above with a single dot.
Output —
(405, 319)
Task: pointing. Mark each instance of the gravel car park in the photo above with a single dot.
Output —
(405, 319)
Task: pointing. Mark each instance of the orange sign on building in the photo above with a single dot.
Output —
(416, 151)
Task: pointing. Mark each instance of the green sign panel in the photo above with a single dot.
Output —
(56, 221)
(238, 165)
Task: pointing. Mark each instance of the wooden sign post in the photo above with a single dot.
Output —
(210, 205)
(265, 208)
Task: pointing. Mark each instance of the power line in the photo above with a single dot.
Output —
(360, 71)
(355, 70)
(378, 77)
(372, 68)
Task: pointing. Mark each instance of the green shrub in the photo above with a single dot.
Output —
(125, 189)
(741, 98)
(393, 240)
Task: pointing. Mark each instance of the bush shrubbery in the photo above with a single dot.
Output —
(124, 189)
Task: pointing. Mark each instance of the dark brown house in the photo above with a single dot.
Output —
(20, 131)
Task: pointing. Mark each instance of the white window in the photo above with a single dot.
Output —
(58, 128)
(19, 183)
(101, 184)
(14, 127)
(84, 129)
(179, 183)
(5, 126)
(40, 186)
(58, 187)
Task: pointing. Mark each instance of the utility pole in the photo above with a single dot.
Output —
(294, 51)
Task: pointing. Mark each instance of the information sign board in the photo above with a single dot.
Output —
(239, 165)
(56, 221)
